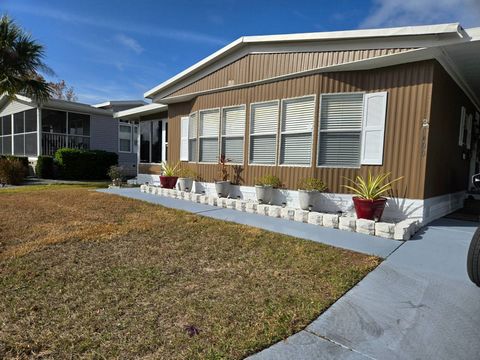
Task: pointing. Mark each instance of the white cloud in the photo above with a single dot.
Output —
(417, 12)
(129, 43)
(118, 26)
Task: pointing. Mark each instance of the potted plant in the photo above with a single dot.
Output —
(308, 189)
(185, 179)
(115, 173)
(222, 187)
(369, 202)
(264, 188)
(169, 177)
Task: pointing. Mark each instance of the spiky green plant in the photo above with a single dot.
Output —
(169, 170)
(371, 187)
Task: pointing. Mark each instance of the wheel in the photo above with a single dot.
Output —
(473, 258)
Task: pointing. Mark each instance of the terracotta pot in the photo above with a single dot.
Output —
(369, 209)
(168, 182)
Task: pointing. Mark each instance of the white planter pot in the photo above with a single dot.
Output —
(307, 198)
(222, 188)
(185, 184)
(264, 194)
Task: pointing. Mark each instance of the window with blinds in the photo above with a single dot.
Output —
(233, 130)
(340, 131)
(298, 116)
(192, 138)
(208, 135)
(263, 133)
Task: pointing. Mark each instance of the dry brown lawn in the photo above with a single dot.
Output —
(90, 275)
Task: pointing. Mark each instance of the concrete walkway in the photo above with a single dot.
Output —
(418, 304)
(347, 240)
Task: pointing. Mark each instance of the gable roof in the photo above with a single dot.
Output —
(411, 36)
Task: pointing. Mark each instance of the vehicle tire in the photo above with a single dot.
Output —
(473, 258)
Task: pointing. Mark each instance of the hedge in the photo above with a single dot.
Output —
(12, 170)
(76, 164)
(23, 159)
(44, 167)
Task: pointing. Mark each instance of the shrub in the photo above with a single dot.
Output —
(44, 167)
(12, 170)
(115, 173)
(311, 184)
(77, 164)
(269, 180)
(22, 159)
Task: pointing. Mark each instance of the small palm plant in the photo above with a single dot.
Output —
(169, 170)
(371, 187)
(168, 179)
(369, 202)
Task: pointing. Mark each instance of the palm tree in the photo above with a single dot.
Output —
(21, 61)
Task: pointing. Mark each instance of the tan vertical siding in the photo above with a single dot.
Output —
(447, 171)
(409, 88)
(263, 66)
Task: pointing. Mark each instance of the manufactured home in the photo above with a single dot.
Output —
(31, 129)
(327, 105)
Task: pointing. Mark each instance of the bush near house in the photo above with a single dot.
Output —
(12, 170)
(22, 159)
(44, 167)
(77, 164)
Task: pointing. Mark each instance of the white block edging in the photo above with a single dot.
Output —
(402, 230)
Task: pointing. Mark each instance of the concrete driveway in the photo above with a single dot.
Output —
(418, 304)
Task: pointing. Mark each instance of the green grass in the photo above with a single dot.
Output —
(90, 275)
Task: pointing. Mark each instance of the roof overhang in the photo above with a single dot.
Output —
(57, 105)
(137, 112)
(112, 103)
(412, 36)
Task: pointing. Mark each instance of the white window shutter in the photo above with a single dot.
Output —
(184, 123)
(374, 116)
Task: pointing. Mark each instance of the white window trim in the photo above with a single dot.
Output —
(281, 133)
(209, 137)
(250, 135)
(244, 106)
(337, 131)
(197, 150)
(131, 137)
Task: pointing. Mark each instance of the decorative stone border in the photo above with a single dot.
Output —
(402, 230)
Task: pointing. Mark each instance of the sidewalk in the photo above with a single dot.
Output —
(347, 240)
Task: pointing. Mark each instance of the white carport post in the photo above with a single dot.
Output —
(39, 131)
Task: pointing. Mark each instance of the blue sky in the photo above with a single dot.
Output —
(111, 50)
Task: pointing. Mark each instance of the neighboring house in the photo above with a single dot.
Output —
(327, 105)
(31, 129)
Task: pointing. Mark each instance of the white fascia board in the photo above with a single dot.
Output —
(360, 34)
(474, 33)
(426, 30)
(136, 112)
(119, 103)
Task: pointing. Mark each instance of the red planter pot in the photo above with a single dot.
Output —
(168, 182)
(369, 209)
